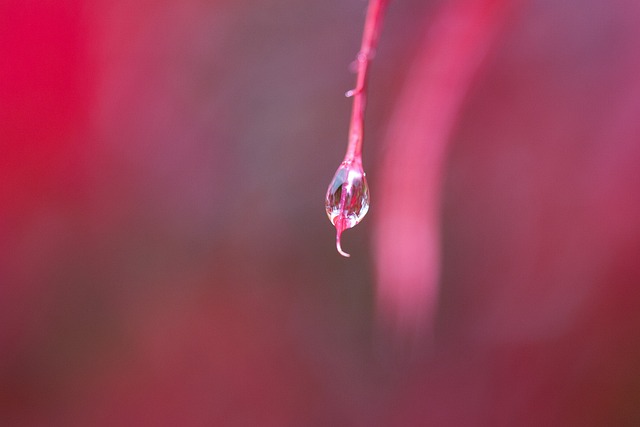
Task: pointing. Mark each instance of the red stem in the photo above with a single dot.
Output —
(372, 27)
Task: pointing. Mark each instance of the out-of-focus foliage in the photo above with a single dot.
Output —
(165, 257)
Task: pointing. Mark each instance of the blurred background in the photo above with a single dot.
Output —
(165, 257)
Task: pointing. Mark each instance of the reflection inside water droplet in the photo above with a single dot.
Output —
(347, 200)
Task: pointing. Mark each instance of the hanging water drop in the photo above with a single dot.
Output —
(347, 200)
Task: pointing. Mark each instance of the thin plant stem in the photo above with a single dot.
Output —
(347, 200)
(372, 27)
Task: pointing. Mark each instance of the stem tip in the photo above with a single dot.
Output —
(340, 227)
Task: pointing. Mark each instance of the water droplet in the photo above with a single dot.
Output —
(347, 200)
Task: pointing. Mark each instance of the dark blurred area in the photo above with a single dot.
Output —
(165, 257)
